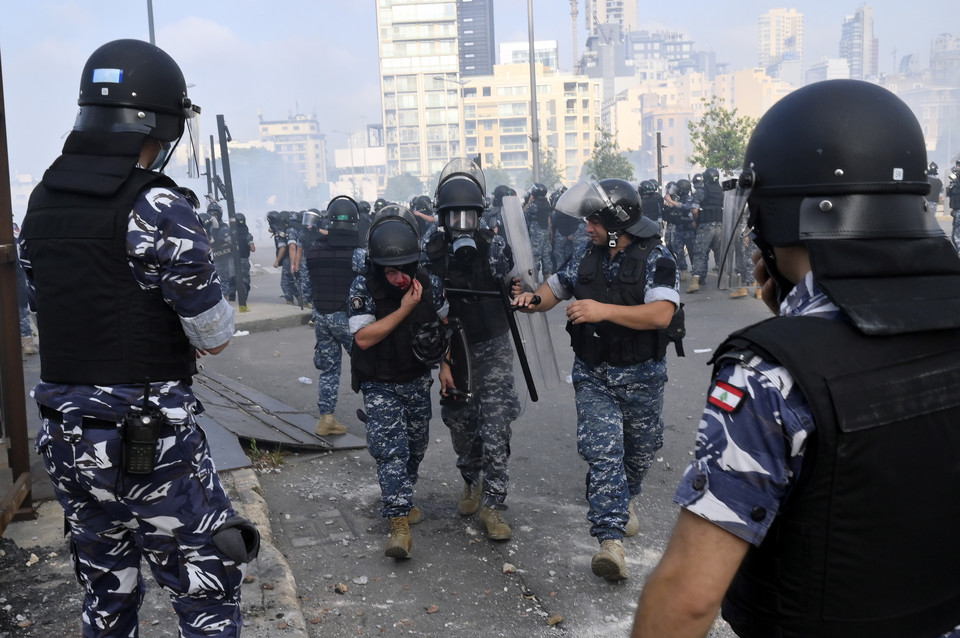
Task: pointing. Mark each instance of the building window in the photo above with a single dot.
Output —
(486, 91)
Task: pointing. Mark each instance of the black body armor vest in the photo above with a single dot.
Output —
(242, 242)
(99, 327)
(539, 212)
(865, 545)
(331, 274)
(711, 209)
(483, 318)
(606, 341)
(392, 359)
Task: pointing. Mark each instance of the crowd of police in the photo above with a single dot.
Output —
(793, 517)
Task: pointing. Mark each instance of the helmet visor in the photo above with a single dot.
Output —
(463, 166)
(311, 219)
(464, 220)
(588, 198)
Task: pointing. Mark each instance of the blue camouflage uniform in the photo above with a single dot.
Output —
(541, 237)
(246, 239)
(168, 517)
(481, 431)
(398, 414)
(332, 331)
(738, 462)
(619, 408)
(707, 236)
(680, 236)
(289, 281)
(222, 245)
(744, 248)
(287, 289)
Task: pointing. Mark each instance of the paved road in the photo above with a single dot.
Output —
(324, 507)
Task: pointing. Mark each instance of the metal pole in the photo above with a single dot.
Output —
(659, 161)
(13, 413)
(153, 39)
(534, 123)
(231, 212)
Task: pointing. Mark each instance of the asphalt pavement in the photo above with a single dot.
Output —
(322, 571)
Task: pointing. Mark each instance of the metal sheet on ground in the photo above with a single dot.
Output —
(224, 446)
(249, 414)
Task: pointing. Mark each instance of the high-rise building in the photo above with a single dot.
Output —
(780, 39)
(546, 52)
(623, 13)
(475, 31)
(301, 145)
(858, 45)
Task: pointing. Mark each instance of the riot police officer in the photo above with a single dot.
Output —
(785, 518)
(625, 283)
(222, 244)
(395, 316)
(330, 264)
(953, 200)
(707, 208)
(539, 215)
(127, 298)
(246, 244)
(681, 232)
(467, 257)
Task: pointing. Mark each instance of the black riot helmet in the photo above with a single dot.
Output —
(819, 157)
(215, 211)
(500, 192)
(538, 190)
(344, 215)
(241, 219)
(697, 181)
(711, 176)
(647, 187)
(430, 343)
(460, 201)
(614, 201)
(394, 238)
(133, 86)
(683, 187)
(379, 204)
(932, 169)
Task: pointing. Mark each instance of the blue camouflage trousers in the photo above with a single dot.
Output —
(333, 332)
(679, 238)
(708, 237)
(306, 290)
(619, 429)
(398, 430)
(167, 517)
(245, 274)
(744, 259)
(542, 249)
(481, 430)
(288, 282)
(563, 246)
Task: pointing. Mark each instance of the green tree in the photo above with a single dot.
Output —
(720, 137)
(495, 176)
(607, 160)
(402, 188)
(551, 173)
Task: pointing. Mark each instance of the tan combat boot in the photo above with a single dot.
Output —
(401, 542)
(497, 528)
(694, 285)
(415, 515)
(610, 562)
(633, 524)
(328, 425)
(469, 499)
(738, 293)
(28, 345)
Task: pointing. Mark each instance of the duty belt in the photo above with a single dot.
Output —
(88, 422)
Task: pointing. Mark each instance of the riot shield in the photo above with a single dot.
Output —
(534, 332)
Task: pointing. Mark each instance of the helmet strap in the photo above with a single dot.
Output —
(612, 237)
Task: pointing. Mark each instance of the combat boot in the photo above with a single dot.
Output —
(470, 499)
(28, 345)
(497, 528)
(738, 293)
(610, 562)
(633, 524)
(328, 425)
(415, 515)
(759, 293)
(401, 543)
(684, 276)
(694, 285)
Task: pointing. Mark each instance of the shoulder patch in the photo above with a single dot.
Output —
(725, 396)
(356, 303)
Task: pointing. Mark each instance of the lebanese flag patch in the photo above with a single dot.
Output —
(725, 396)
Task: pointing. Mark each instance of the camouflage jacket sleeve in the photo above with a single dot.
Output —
(169, 250)
(749, 447)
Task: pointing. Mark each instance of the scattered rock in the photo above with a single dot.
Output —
(432, 609)
(555, 619)
(360, 580)
(509, 568)
(340, 588)
(267, 586)
(33, 560)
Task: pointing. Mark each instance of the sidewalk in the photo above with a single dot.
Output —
(38, 593)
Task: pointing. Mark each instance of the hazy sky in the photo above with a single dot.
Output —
(278, 57)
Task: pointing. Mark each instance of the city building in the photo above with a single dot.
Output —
(622, 13)
(497, 118)
(780, 44)
(299, 142)
(858, 45)
(828, 69)
(475, 33)
(546, 52)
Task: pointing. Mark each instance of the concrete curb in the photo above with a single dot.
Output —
(271, 605)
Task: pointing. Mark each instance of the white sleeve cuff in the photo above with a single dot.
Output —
(211, 328)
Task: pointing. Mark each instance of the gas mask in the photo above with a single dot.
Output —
(461, 227)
